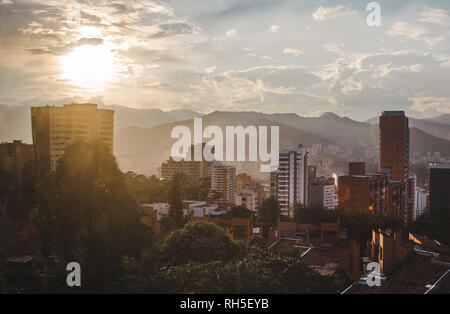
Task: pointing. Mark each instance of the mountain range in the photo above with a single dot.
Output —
(142, 136)
(144, 149)
(439, 126)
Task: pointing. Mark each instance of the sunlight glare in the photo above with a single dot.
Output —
(88, 66)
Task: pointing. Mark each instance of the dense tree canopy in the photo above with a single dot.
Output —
(259, 271)
(16, 192)
(200, 242)
(86, 214)
(268, 213)
(438, 229)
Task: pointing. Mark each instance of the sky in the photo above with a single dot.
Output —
(289, 56)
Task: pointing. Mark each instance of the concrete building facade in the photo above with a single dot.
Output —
(223, 179)
(289, 184)
(54, 128)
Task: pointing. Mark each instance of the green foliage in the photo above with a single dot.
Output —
(216, 196)
(199, 242)
(146, 189)
(240, 212)
(262, 271)
(313, 214)
(198, 191)
(176, 200)
(268, 213)
(16, 192)
(438, 229)
(19, 279)
(149, 190)
(86, 214)
(361, 224)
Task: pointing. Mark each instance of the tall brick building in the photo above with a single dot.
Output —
(394, 158)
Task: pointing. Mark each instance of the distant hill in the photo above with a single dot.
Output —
(439, 126)
(143, 149)
(148, 118)
(423, 143)
(142, 136)
(343, 131)
(444, 119)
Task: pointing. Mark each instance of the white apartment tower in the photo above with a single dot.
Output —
(289, 184)
(223, 179)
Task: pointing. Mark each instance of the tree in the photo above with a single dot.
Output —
(261, 271)
(87, 215)
(216, 195)
(360, 224)
(200, 242)
(438, 229)
(16, 192)
(268, 213)
(196, 190)
(313, 213)
(240, 212)
(176, 200)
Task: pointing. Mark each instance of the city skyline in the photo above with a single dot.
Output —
(215, 149)
(302, 57)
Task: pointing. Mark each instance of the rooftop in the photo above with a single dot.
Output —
(415, 276)
(393, 113)
(439, 166)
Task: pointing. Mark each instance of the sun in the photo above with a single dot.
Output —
(89, 67)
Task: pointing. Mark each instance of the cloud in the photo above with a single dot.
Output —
(172, 29)
(408, 80)
(431, 27)
(323, 14)
(231, 32)
(90, 41)
(416, 32)
(334, 47)
(426, 103)
(435, 16)
(166, 60)
(293, 51)
(244, 89)
(274, 28)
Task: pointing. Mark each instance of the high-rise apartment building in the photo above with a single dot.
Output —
(411, 189)
(223, 179)
(439, 197)
(421, 201)
(248, 198)
(394, 145)
(54, 128)
(322, 191)
(289, 184)
(194, 170)
(394, 157)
